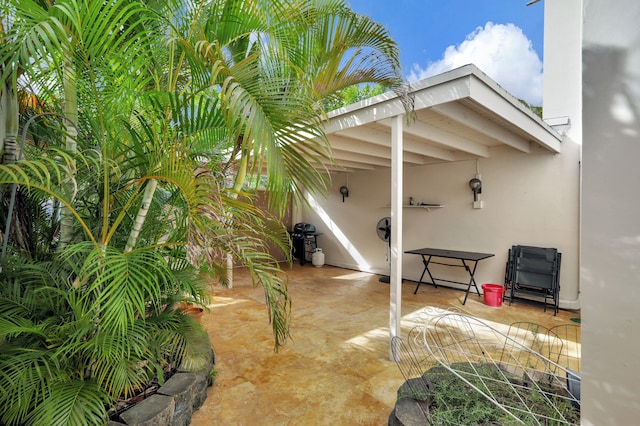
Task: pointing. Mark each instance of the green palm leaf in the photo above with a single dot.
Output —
(169, 100)
(120, 285)
(24, 378)
(73, 402)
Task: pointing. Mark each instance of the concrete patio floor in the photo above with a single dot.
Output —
(336, 369)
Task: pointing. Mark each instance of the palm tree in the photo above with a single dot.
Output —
(352, 94)
(282, 58)
(170, 99)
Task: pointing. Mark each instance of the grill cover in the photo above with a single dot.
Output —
(304, 228)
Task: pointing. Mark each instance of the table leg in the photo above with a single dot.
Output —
(426, 269)
(421, 276)
(472, 280)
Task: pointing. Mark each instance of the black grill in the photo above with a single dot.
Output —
(304, 241)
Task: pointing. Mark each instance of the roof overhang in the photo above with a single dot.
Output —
(460, 114)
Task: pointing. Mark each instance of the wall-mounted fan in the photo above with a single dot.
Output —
(383, 229)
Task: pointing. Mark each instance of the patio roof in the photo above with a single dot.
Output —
(457, 115)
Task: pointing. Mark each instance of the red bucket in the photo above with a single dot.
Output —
(493, 294)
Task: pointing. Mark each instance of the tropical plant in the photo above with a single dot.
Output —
(536, 109)
(305, 51)
(449, 400)
(353, 94)
(149, 116)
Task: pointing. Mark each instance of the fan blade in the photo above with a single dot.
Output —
(383, 228)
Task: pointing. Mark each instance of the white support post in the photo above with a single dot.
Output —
(395, 279)
(229, 270)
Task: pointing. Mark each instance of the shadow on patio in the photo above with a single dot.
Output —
(336, 370)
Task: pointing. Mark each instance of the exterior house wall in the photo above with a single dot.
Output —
(529, 199)
(562, 88)
(611, 229)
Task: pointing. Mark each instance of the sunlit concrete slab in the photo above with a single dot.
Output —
(336, 368)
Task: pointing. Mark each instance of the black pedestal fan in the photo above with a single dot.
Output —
(383, 229)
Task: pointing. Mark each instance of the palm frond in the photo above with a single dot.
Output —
(120, 285)
(71, 402)
(49, 176)
(120, 364)
(24, 378)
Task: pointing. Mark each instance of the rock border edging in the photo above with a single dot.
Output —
(174, 403)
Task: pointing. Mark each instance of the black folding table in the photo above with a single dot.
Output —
(466, 257)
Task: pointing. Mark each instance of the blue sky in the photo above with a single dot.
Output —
(504, 38)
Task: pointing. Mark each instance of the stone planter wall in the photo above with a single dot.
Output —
(175, 402)
(410, 411)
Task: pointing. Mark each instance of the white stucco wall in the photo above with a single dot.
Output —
(611, 202)
(529, 199)
(562, 88)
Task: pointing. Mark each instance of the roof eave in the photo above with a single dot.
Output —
(466, 82)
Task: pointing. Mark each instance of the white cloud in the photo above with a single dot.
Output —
(502, 52)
